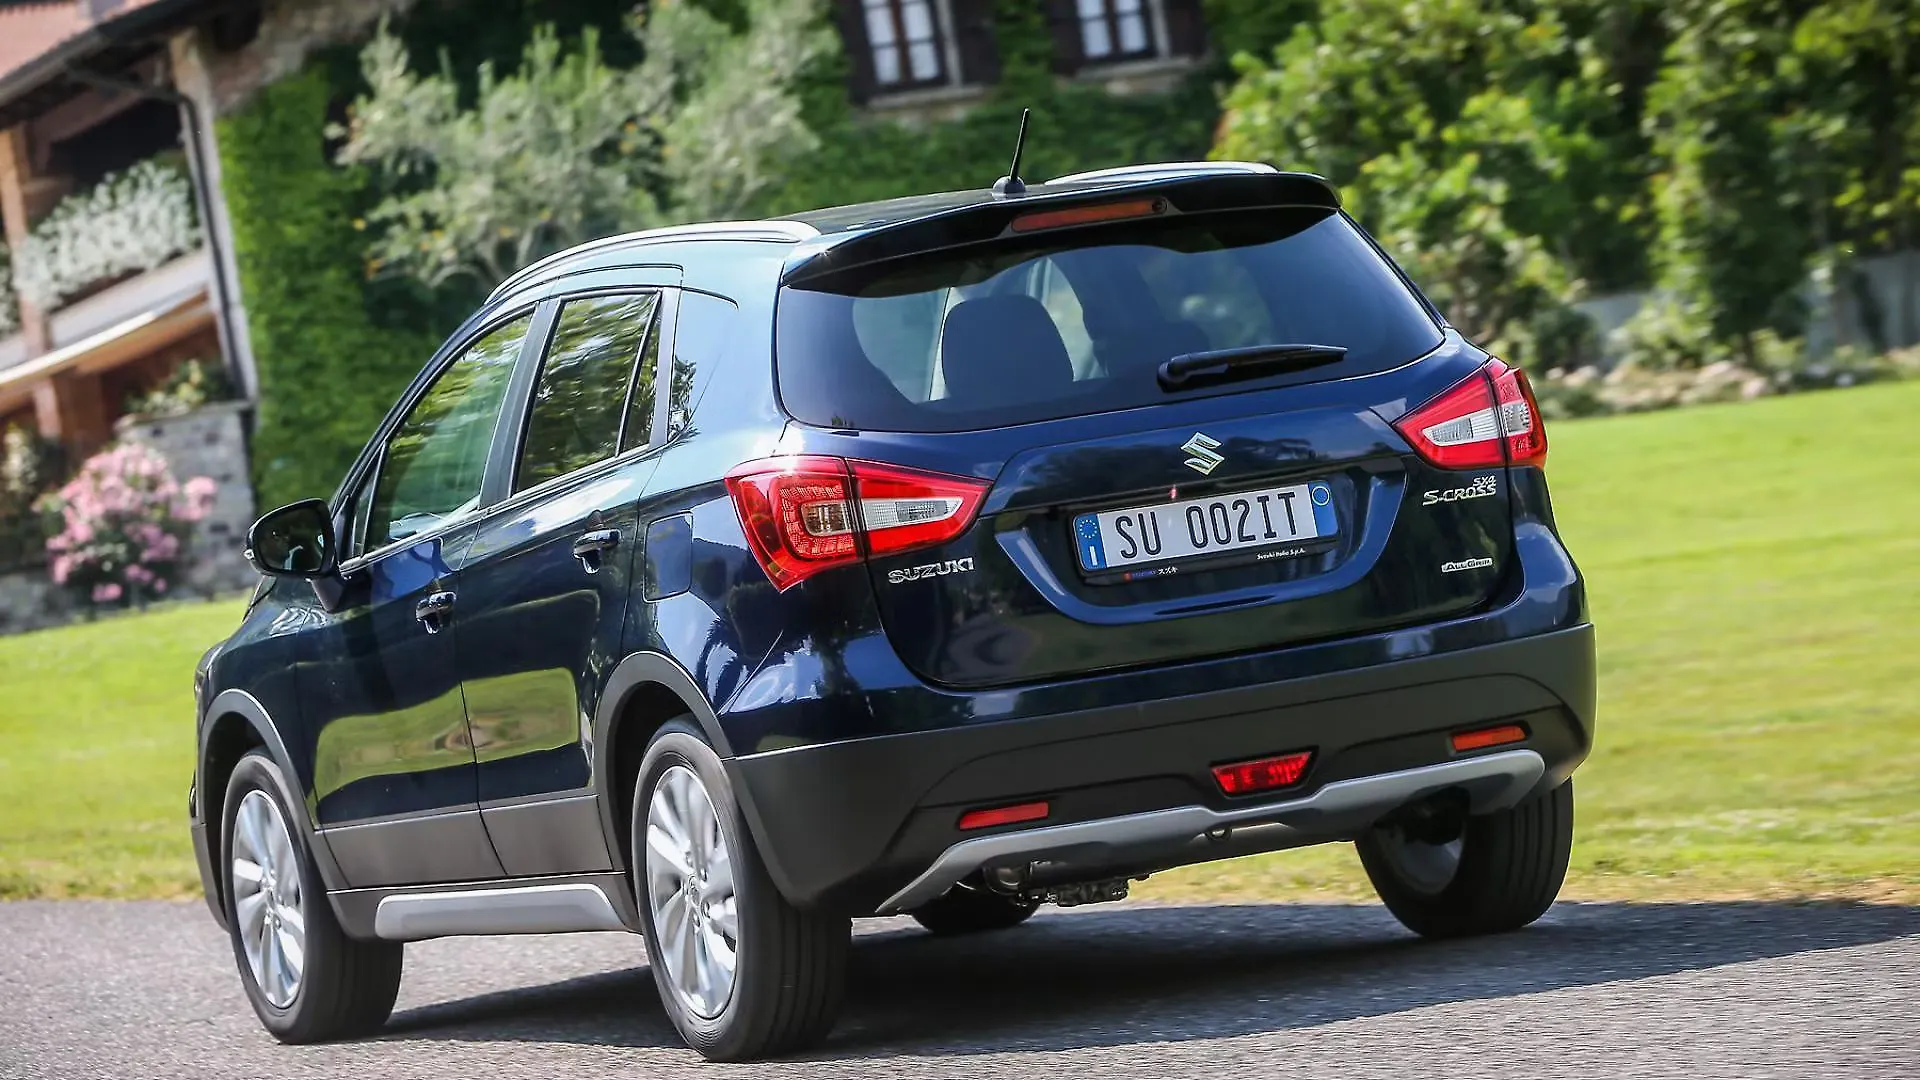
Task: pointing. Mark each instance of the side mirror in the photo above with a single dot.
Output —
(294, 541)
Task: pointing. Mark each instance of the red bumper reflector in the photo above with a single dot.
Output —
(1266, 774)
(1485, 737)
(1003, 815)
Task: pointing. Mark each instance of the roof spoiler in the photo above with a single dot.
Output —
(1188, 189)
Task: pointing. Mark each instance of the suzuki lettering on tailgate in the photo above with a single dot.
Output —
(1245, 521)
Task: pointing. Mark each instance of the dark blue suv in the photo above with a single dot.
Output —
(945, 556)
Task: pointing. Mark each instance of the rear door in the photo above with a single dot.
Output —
(1133, 520)
(545, 579)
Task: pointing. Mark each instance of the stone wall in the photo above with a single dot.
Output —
(1891, 284)
(29, 600)
(212, 442)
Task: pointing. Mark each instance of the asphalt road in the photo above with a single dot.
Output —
(1694, 991)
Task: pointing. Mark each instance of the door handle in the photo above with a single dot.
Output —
(591, 547)
(432, 611)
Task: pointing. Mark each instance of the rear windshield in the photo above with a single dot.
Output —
(1079, 321)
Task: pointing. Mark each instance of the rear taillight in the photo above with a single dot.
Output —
(1488, 419)
(805, 514)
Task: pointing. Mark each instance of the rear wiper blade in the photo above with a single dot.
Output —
(1188, 370)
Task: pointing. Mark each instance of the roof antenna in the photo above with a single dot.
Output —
(1011, 184)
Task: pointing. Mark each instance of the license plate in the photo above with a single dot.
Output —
(1240, 521)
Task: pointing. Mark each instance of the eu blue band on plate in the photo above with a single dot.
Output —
(1325, 522)
(1086, 529)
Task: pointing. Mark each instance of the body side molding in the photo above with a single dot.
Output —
(515, 909)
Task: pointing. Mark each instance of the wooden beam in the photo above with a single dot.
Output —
(16, 173)
(70, 407)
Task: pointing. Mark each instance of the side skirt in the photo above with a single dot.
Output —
(547, 905)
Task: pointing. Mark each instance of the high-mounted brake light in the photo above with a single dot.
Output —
(1488, 419)
(806, 513)
(1266, 774)
(1089, 215)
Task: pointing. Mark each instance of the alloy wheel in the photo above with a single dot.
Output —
(690, 888)
(268, 907)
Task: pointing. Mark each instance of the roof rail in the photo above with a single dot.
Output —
(1167, 168)
(794, 231)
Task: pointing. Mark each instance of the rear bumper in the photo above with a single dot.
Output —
(870, 825)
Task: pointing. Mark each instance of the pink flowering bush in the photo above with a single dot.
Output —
(122, 525)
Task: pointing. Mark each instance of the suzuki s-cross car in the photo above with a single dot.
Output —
(943, 557)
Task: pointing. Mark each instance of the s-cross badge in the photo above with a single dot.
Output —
(1205, 453)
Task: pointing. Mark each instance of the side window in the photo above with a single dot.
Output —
(705, 327)
(639, 423)
(588, 376)
(431, 470)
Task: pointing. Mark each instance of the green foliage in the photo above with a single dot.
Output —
(1255, 27)
(1787, 132)
(1516, 153)
(328, 373)
(545, 157)
(1451, 128)
(1734, 240)
(1074, 127)
(190, 385)
(568, 147)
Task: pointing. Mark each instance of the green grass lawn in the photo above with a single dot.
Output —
(1755, 573)
(96, 751)
(1755, 577)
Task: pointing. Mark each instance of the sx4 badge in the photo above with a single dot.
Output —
(1483, 487)
(932, 569)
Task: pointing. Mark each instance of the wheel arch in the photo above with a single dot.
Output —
(643, 692)
(237, 723)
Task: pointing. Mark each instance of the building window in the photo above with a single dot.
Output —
(904, 36)
(1115, 30)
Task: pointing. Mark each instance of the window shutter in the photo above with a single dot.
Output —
(851, 19)
(973, 37)
(1063, 20)
(1186, 28)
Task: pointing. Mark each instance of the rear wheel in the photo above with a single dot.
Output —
(308, 981)
(970, 911)
(742, 973)
(1501, 872)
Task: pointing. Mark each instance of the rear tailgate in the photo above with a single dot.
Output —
(1129, 524)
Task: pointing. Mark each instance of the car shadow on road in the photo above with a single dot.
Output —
(1123, 975)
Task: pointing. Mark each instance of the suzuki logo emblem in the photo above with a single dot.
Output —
(1205, 453)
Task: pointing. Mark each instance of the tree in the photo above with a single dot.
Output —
(1446, 125)
(1733, 195)
(567, 148)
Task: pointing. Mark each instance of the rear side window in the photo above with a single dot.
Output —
(701, 340)
(592, 369)
(1079, 321)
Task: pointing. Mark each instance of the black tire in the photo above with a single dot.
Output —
(1509, 869)
(347, 987)
(972, 911)
(790, 965)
